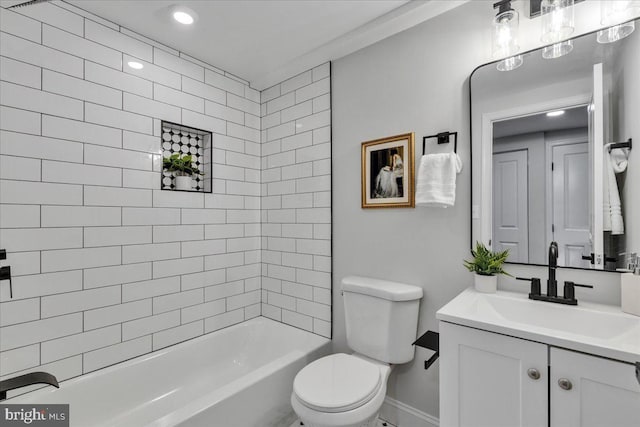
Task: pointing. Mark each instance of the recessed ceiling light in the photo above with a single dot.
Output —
(184, 15)
(135, 65)
(555, 113)
(298, 125)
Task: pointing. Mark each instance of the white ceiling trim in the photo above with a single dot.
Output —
(398, 20)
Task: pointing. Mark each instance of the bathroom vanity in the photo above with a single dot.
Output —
(506, 360)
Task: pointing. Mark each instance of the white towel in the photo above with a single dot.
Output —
(614, 162)
(436, 185)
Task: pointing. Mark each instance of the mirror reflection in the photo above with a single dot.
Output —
(550, 155)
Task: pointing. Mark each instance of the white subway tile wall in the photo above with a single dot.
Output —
(106, 266)
(296, 201)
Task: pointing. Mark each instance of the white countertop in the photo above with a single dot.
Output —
(598, 329)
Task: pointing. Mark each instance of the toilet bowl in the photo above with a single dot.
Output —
(347, 390)
(340, 390)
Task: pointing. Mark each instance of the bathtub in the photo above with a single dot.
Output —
(240, 376)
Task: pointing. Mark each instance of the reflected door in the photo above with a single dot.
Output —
(510, 194)
(570, 222)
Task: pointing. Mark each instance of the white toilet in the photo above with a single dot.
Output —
(343, 390)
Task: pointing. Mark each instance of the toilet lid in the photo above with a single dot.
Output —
(337, 383)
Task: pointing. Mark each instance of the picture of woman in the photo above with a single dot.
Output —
(388, 181)
(387, 172)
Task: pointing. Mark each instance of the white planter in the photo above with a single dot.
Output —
(184, 183)
(486, 284)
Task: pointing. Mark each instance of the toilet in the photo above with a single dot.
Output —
(347, 390)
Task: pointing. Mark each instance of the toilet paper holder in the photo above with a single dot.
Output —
(431, 341)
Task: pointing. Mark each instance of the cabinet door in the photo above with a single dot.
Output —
(603, 392)
(484, 379)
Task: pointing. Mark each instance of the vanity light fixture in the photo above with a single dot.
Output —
(135, 65)
(184, 15)
(505, 36)
(557, 24)
(613, 14)
(555, 113)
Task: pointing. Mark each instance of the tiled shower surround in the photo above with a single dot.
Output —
(296, 201)
(107, 266)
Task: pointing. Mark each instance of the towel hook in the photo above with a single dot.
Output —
(443, 138)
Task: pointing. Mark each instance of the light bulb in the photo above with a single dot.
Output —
(505, 34)
(613, 14)
(557, 20)
(183, 15)
(557, 50)
(510, 64)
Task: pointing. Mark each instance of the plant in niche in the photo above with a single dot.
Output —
(485, 262)
(183, 170)
(181, 165)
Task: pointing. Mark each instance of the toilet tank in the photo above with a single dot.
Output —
(381, 318)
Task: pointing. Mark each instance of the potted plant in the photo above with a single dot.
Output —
(182, 168)
(486, 265)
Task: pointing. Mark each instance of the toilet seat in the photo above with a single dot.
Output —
(337, 383)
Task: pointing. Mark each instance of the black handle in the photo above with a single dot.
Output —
(589, 258)
(5, 274)
(3, 254)
(535, 285)
(570, 290)
(638, 372)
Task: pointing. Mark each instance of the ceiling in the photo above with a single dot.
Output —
(267, 41)
(573, 118)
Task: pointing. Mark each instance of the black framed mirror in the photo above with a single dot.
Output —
(543, 167)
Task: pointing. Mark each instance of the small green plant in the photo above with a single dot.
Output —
(180, 165)
(486, 262)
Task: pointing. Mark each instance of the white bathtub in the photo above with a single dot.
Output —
(241, 376)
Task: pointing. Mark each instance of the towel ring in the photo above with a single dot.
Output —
(444, 138)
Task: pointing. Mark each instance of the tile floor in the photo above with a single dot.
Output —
(381, 423)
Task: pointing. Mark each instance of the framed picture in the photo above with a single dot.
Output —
(388, 172)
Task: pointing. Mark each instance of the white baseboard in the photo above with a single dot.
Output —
(403, 415)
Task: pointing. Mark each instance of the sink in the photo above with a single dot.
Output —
(589, 327)
(574, 320)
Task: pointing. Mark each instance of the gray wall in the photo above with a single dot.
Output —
(414, 81)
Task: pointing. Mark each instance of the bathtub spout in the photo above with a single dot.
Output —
(25, 380)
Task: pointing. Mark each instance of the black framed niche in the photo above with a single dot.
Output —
(186, 140)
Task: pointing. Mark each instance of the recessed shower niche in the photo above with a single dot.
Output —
(187, 158)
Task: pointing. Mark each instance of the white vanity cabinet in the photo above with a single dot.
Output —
(490, 380)
(602, 392)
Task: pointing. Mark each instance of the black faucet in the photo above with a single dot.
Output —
(552, 283)
(569, 297)
(25, 380)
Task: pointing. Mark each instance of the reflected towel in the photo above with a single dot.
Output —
(436, 184)
(614, 162)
